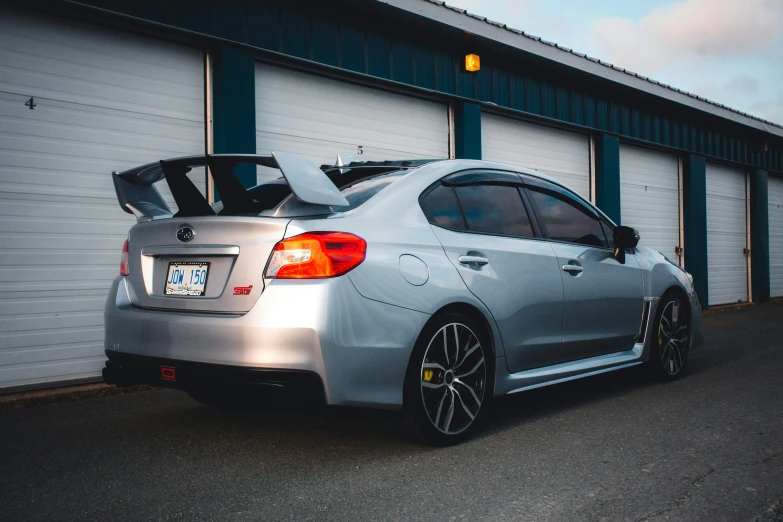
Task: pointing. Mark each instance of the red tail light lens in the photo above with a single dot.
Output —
(316, 255)
(124, 268)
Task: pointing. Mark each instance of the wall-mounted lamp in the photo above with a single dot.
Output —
(472, 62)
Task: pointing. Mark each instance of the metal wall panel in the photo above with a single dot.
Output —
(650, 197)
(339, 34)
(775, 187)
(318, 117)
(105, 100)
(727, 235)
(561, 154)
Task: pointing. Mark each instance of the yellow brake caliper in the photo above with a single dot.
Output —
(428, 373)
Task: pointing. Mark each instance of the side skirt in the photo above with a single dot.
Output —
(506, 383)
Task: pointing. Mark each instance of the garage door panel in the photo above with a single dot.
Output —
(562, 155)
(333, 109)
(649, 197)
(105, 75)
(726, 235)
(350, 130)
(74, 368)
(41, 306)
(106, 100)
(775, 195)
(320, 117)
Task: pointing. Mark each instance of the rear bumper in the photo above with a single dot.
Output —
(358, 348)
(125, 370)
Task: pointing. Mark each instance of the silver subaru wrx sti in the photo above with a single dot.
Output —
(422, 286)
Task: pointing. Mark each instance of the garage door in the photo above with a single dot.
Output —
(776, 236)
(727, 264)
(319, 117)
(650, 200)
(563, 155)
(104, 100)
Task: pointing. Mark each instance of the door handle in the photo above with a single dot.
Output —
(473, 260)
(574, 269)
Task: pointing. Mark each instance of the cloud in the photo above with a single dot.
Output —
(703, 28)
(771, 110)
(741, 86)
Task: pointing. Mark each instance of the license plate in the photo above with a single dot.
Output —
(187, 278)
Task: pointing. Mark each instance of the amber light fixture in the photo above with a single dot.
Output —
(472, 62)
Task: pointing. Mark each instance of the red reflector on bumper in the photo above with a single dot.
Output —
(167, 372)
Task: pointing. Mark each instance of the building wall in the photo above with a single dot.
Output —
(362, 38)
(372, 45)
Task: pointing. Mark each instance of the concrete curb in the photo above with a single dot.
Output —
(17, 401)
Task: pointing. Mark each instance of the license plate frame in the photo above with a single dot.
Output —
(171, 292)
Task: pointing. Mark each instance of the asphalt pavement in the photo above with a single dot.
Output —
(612, 447)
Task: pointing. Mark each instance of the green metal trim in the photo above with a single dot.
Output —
(759, 236)
(607, 176)
(234, 107)
(467, 131)
(695, 221)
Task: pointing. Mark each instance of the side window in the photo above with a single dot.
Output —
(567, 221)
(609, 233)
(441, 208)
(494, 209)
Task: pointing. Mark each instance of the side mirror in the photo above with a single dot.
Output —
(624, 237)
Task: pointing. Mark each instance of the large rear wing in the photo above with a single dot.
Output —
(137, 194)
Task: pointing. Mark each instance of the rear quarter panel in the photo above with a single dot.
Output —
(394, 225)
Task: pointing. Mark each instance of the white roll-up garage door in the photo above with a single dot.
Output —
(104, 100)
(561, 154)
(320, 117)
(727, 235)
(650, 197)
(775, 193)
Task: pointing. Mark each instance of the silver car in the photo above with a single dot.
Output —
(427, 287)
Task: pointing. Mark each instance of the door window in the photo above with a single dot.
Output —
(568, 221)
(441, 208)
(494, 209)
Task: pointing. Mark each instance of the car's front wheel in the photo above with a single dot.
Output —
(670, 338)
(449, 379)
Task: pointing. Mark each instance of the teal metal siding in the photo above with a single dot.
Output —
(759, 235)
(234, 115)
(467, 131)
(695, 223)
(607, 176)
(337, 34)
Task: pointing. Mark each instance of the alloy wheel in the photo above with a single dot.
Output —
(672, 338)
(453, 378)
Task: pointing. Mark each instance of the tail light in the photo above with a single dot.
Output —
(315, 255)
(124, 268)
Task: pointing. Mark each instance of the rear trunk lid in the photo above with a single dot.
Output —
(210, 258)
(232, 252)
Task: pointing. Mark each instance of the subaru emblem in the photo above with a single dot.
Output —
(185, 234)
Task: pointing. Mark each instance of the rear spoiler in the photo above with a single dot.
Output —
(137, 194)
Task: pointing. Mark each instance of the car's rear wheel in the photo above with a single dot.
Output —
(670, 336)
(448, 384)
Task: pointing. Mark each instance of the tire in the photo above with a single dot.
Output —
(669, 339)
(445, 394)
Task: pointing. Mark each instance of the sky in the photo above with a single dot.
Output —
(728, 51)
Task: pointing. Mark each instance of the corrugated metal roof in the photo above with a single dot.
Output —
(410, 5)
